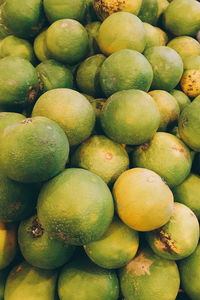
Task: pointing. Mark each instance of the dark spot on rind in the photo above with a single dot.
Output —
(27, 121)
(145, 146)
(36, 229)
(166, 241)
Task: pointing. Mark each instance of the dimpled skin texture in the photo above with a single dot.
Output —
(76, 206)
(33, 150)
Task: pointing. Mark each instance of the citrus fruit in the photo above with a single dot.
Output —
(164, 147)
(33, 150)
(189, 269)
(167, 67)
(182, 99)
(67, 41)
(27, 282)
(143, 200)
(116, 247)
(148, 11)
(123, 70)
(105, 8)
(185, 46)
(187, 193)
(93, 30)
(11, 45)
(19, 82)
(76, 206)
(168, 108)
(121, 30)
(87, 77)
(101, 156)
(8, 118)
(8, 243)
(154, 36)
(189, 125)
(71, 110)
(40, 47)
(146, 277)
(190, 83)
(23, 18)
(17, 200)
(64, 9)
(179, 237)
(53, 75)
(182, 17)
(81, 279)
(122, 118)
(39, 248)
(192, 62)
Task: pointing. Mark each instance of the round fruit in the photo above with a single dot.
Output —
(190, 83)
(122, 118)
(27, 282)
(168, 108)
(188, 193)
(64, 9)
(33, 150)
(39, 248)
(154, 36)
(76, 206)
(182, 17)
(116, 247)
(19, 82)
(189, 125)
(17, 200)
(93, 30)
(147, 276)
(167, 67)
(87, 76)
(179, 237)
(165, 147)
(105, 8)
(143, 200)
(40, 47)
(71, 110)
(67, 41)
(11, 45)
(23, 18)
(53, 75)
(189, 269)
(9, 118)
(182, 99)
(8, 243)
(121, 30)
(148, 11)
(192, 62)
(123, 70)
(185, 46)
(83, 280)
(101, 156)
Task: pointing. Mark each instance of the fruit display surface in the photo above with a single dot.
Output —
(99, 149)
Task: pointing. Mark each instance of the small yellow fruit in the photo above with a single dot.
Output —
(190, 83)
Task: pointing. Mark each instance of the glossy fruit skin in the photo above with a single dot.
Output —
(182, 17)
(190, 274)
(189, 125)
(82, 279)
(24, 19)
(165, 147)
(123, 70)
(77, 121)
(179, 237)
(121, 30)
(116, 247)
(67, 41)
(101, 156)
(167, 67)
(53, 75)
(27, 282)
(40, 152)
(133, 190)
(39, 248)
(18, 82)
(79, 215)
(122, 117)
(146, 275)
(8, 243)
(59, 9)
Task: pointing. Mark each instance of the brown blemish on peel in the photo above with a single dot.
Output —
(36, 229)
(140, 265)
(108, 155)
(165, 243)
(27, 121)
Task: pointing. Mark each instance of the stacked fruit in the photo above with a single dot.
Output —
(99, 149)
